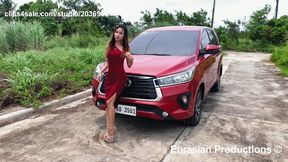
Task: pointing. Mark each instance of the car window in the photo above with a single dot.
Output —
(213, 37)
(205, 39)
(174, 43)
(139, 44)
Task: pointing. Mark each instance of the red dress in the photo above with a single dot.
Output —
(116, 77)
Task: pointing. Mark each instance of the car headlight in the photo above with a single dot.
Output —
(179, 78)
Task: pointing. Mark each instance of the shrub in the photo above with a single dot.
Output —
(30, 86)
(17, 36)
(4, 47)
(280, 57)
(36, 36)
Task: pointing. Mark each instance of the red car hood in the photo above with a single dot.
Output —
(159, 65)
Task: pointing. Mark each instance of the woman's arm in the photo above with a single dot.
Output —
(129, 59)
(102, 69)
(105, 66)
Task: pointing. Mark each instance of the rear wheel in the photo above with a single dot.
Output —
(195, 118)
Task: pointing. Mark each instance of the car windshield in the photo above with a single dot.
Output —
(165, 43)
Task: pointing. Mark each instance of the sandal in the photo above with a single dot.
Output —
(105, 137)
(109, 138)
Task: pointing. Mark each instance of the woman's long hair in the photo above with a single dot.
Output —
(125, 43)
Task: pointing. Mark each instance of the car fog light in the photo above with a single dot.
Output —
(164, 114)
(184, 100)
(98, 103)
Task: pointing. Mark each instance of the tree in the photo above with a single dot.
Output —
(89, 5)
(278, 30)
(146, 18)
(257, 26)
(233, 29)
(66, 25)
(108, 23)
(182, 18)
(267, 31)
(222, 34)
(50, 24)
(6, 6)
(200, 18)
(135, 29)
(81, 25)
(71, 5)
(163, 18)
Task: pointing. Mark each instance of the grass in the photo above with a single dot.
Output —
(76, 41)
(4, 47)
(35, 68)
(247, 45)
(34, 76)
(18, 36)
(280, 58)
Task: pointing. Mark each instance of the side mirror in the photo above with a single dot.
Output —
(212, 49)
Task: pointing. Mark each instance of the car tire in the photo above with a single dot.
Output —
(195, 118)
(216, 86)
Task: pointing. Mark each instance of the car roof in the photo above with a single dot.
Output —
(167, 28)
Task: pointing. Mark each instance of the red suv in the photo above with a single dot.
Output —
(174, 69)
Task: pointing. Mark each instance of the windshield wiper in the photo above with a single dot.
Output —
(137, 53)
(156, 54)
(159, 54)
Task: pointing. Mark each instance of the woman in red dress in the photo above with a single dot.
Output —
(116, 52)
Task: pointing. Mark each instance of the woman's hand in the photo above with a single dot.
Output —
(99, 76)
(129, 59)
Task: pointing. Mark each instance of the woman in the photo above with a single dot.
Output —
(116, 52)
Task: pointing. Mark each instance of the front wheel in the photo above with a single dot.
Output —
(195, 118)
(216, 86)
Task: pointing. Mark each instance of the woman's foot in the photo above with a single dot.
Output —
(105, 137)
(109, 136)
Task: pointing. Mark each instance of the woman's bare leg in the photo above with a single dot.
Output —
(110, 114)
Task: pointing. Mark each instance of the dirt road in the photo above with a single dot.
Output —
(248, 115)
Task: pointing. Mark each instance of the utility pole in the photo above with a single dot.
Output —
(213, 11)
(276, 11)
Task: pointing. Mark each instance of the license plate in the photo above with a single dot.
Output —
(126, 110)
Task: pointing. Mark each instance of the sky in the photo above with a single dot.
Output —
(130, 10)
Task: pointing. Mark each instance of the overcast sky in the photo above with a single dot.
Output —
(130, 10)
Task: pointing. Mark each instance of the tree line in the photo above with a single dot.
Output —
(257, 29)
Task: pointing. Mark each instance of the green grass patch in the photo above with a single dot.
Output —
(280, 58)
(76, 41)
(18, 36)
(35, 76)
(247, 45)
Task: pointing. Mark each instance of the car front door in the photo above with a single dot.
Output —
(215, 69)
(206, 62)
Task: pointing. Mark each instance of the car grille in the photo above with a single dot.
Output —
(141, 87)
